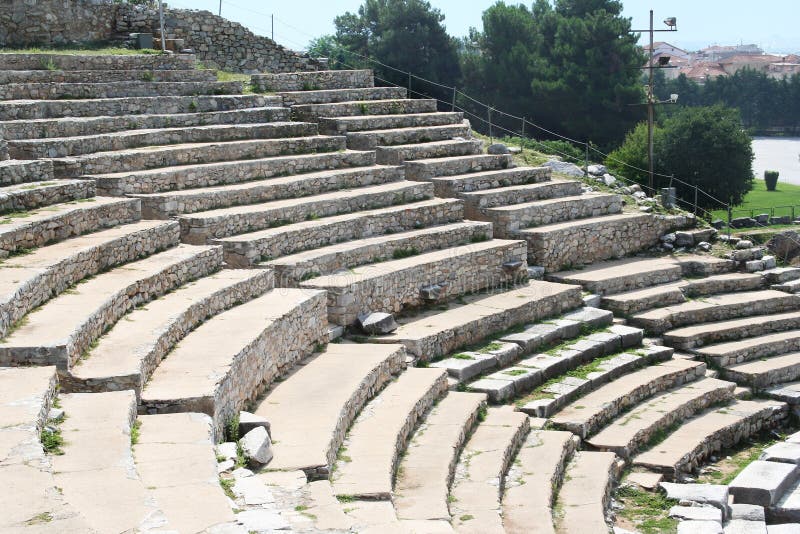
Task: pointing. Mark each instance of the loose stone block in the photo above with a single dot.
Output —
(762, 483)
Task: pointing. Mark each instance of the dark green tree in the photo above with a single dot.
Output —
(703, 146)
(572, 66)
(405, 34)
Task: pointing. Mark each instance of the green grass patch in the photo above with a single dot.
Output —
(760, 200)
(52, 441)
(89, 49)
(732, 463)
(647, 511)
(462, 356)
(135, 430)
(227, 487)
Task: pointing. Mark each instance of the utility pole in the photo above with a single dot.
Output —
(161, 25)
(650, 110)
(220, 8)
(672, 26)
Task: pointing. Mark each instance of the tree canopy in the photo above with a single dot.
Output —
(703, 146)
(406, 34)
(572, 66)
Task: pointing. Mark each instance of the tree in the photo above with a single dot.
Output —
(404, 34)
(703, 146)
(573, 66)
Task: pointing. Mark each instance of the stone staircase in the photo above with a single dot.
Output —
(236, 235)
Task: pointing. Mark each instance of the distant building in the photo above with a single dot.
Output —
(718, 53)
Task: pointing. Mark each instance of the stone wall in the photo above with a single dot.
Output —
(54, 22)
(217, 42)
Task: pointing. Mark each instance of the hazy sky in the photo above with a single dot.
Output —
(772, 24)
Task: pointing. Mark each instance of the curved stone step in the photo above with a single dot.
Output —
(370, 140)
(792, 286)
(586, 415)
(395, 285)
(562, 391)
(374, 443)
(395, 106)
(397, 154)
(48, 109)
(37, 61)
(510, 219)
(151, 157)
(343, 125)
(62, 147)
(167, 204)
(694, 336)
(35, 195)
(204, 226)
(598, 351)
(429, 462)
(308, 80)
(428, 169)
(432, 334)
(335, 96)
(533, 481)
(633, 430)
(96, 473)
(733, 352)
(20, 232)
(766, 371)
(762, 483)
(586, 493)
(62, 329)
(176, 462)
(556, 246)
(26, 395)
(79, 90)
(636, 301)
(617, 276)
(325, 394)
(701, 436)
(28, 280)
(293, 269)
(245, 250)
(476, 491)
(81, 126)
(480, 203)
(14, 171)
(105, 76)
(229, 359)
(720, 307)
(221, 173)
(126, 356)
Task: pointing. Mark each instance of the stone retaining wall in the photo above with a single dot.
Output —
(218, 42)
(45, 109)
(332, 96)
(513, 218)
(404, 136)
(48, 22)
(427, 170)
(312, 81)
(66, 354)
(68, 224)
(395, 286)
(19, 172)
(292, 270)
(77, 61)
(179, 327)
(61, 148)
(80, 91)
(105, 76)
(86, 126)
(313, 234)
(31, 197)
(165, 205)
(283, 344)
(312, 112)
(55, 278)
(214, 174)
(199, 229)
(136, 159)
(595, 240)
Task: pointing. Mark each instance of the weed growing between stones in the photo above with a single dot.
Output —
(647, 511)
(52, 440)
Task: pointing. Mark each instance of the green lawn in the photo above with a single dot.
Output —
(760, 201)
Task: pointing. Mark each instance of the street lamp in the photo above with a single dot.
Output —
(672, 24)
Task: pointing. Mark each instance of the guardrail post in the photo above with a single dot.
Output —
(586, 158)
(695, 200)
(453, 105)
(489, 112)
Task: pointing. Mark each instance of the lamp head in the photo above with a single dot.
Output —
(671, 22)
